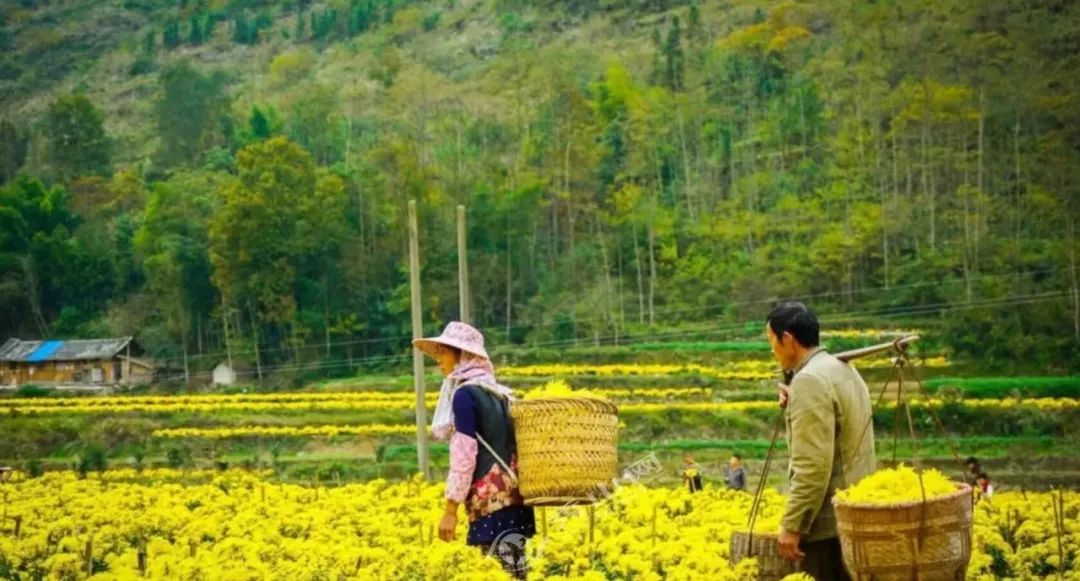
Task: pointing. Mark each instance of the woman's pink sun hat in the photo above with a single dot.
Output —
(457, 335)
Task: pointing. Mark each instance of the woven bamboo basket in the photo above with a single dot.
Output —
(566, 449)
(764, 548)
(922, 541)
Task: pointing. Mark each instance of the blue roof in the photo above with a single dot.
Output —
(64, 350)
(45, 351)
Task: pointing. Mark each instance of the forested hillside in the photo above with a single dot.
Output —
(234, 174)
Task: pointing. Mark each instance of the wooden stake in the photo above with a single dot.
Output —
(89, 555)
(592, 523)
(655, 560)
(417, 329)
(1057, 498)
(465, 306)
(654, 527)
(141, 557)
(543, 521)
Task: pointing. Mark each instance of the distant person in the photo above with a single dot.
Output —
(736, 475)
(830, 439)
(691, 474)
(974, 468)
(982, 483)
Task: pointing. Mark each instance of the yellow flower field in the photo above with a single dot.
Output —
(751, 369)
(150, 402)
(405, 404)
(329, 431)
(240, 526)
(745, 370)
(875, 334)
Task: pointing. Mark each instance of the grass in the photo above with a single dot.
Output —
(703, 346)
(985, 447)
(989, 387)
(395, 461)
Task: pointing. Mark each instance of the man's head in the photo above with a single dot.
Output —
(973, 464)
(736, 461)
(687, 458)
(792, 330)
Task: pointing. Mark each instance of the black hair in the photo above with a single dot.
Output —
(982, 476)
(737, 457)
(797, 319)
(972, 460)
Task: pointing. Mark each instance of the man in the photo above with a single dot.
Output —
(830, 438)
(736, 476)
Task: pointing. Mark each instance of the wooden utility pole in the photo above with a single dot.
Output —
(225, 326)
(417, 331)
(465, 312)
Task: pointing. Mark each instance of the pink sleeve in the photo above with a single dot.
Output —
(462, 465)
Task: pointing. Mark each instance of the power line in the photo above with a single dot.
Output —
(832, 317)
(670, 310)
(899, 312)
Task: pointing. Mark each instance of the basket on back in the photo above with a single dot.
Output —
(766, 549)
(915, 540)
(566, 449)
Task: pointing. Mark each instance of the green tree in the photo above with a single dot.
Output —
(187, 111)
(301, 24)
(245, 31)
(172, 238)
(259, 123)
(170, 37)
(36, 254)
(14, 143)
(150, 42)
(279, 213)
(125, 265)
(316, 123)
(77, 143)
(674, 58)
(209, 22)
(195, 30)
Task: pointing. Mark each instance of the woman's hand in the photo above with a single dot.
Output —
(448, 527)
(448, 524)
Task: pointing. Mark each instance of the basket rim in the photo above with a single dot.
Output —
(962, 489)
(756, 535)
(550, 501)
(536, 402)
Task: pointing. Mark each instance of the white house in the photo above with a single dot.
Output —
(224, 375)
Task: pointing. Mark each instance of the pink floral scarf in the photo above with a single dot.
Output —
(471, 370)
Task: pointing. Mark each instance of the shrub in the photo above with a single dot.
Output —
(31, 390)
(92, 458)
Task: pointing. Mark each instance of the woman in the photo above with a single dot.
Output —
(691, 474)
(474, 413)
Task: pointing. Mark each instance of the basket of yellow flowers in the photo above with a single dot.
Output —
(905, 524)
(566, 445)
